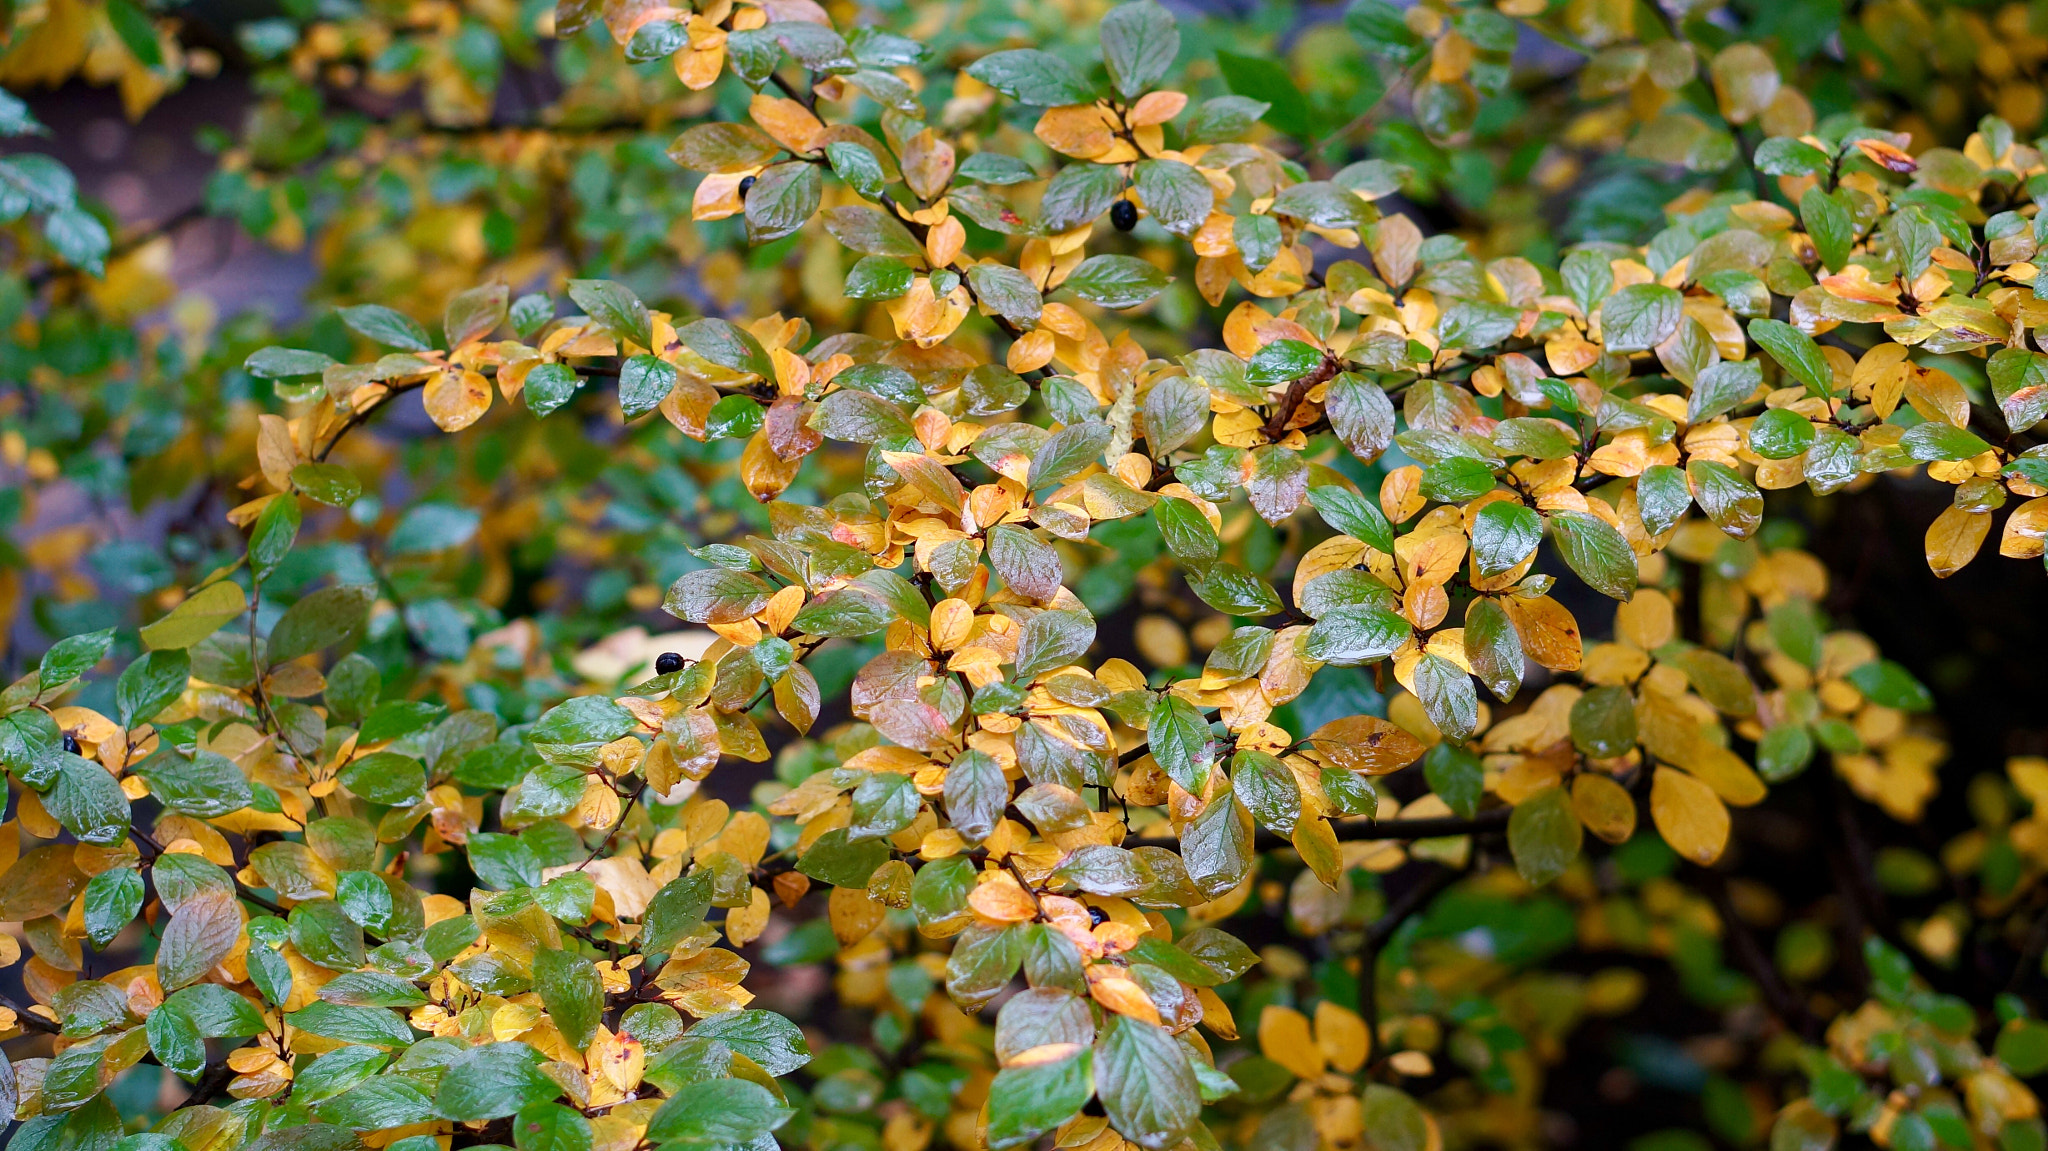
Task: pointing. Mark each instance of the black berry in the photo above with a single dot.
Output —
(70, 743)
(1124, 215)
(746, 185)
(1097, 917)
(667, 662)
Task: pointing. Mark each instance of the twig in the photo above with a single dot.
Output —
(1783, 1002)
(1493, 819)
(212, 1083)
(30, 1019)
(614, 833)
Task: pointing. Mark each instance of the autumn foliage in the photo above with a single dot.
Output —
(1173, 645)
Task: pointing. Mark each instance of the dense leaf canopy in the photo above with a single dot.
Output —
(1217, 602)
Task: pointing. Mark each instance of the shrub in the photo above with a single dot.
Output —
(404, 842)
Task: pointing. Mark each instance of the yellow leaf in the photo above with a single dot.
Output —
(1953, 539)
(1284, 1038)
(1605, 807)
(787, 122)
(455, 399)
(1688, 815)
(1318, 847)
(1341, 1036)
(1082, 131)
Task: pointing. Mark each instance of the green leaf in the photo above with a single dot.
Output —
(1176, 195)
(175, 1041)
(79, 238)
(1494, 648)
(1362, 417)
(1936, 440)
(72, 657)
(1176, 411)
(1356, 634)
(574, 994)
(549, 387)
(1457, 480)
(386, 777)
(1147, 1087)
(1640, 316)
(1780, 433)
(1396, 1121)
(1007, 292)
(551, 1126)
(1504, 533)
(856, 165)
(336, 1072)
(1353, 514)
(1603, 722)
(885, 803)
(271, 539)
(1722, 386)
(324, 617)
(1070, 449)
(644, 382)
(715, 595)
(1181, 742)
(1448, 697)
(432, 527)
(1784, 752)
(1544, 835)
(1224, 118)
(878, 278)
(113, 899)
(1053, 639)
(1232, 590)
(390, 328)
(1186, 531)
(1268, 81)
(1477, 324)
(2019, 381)
(196, 617)
(1597, 552)
(975, 795)
(1662, 498)
(1796, 353)
(1890, 685)
(201, 933)
(784, 197)
(614, 305)
(836, 858)
(861, 417)
(1032, 77)
(274, 363)
(728, 345)
(762, 1036)
(847, 611)
(1728, 497)
(202, 783)
(485, 1082)
(1029, 566)
(1078, 194)
(1283, 361)
(1257, 239)
(998, 168)
(717, 1113)
(1139, 44)
(330, 484)
(377, 1105)
(1026, 1102)
(1788, 156)
(1117, 281)
(88, 803)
